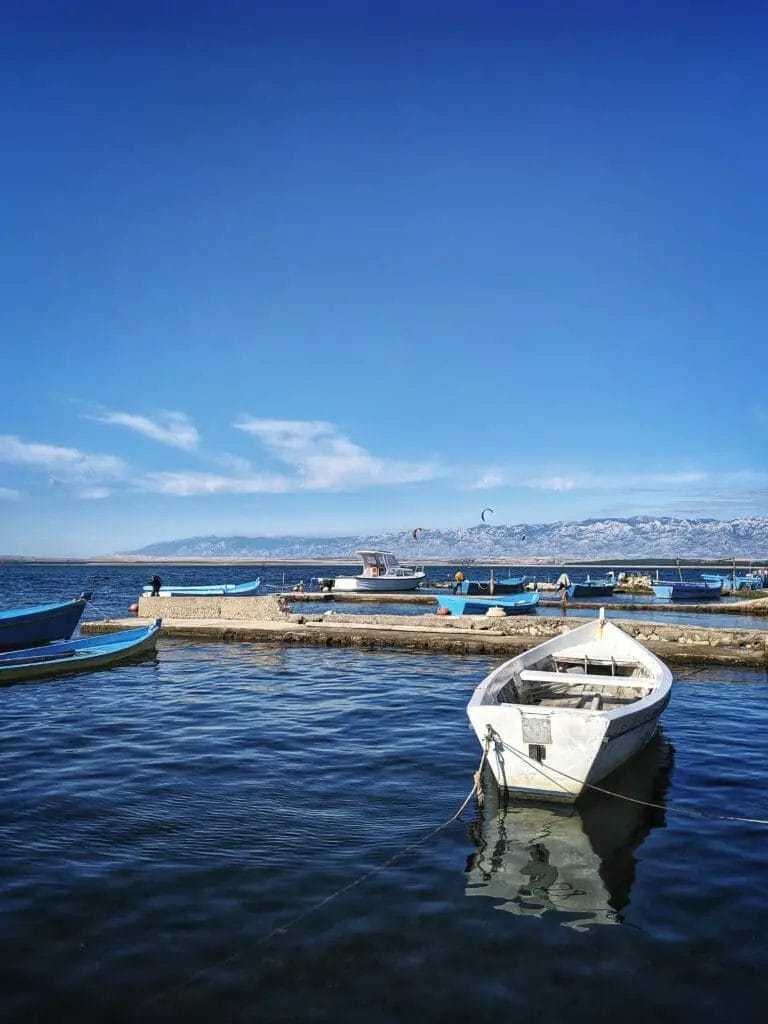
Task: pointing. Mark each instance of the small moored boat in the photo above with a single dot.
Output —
(489, 587)
(688, 590)
(382, 573)
(593, 588)
(39, 624)
(80, 655)
(573, 863)
(214, 590)
(511, 604)
(569, 711)
(751, 581)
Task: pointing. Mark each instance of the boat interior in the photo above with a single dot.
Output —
(578, 680)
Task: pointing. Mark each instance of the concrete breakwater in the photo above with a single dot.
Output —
(268, 619)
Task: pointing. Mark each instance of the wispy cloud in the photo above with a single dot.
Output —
(612, 481)
(9, 494)
(69, 463)
(324, 459)
(183, 484)
(491, 478)
(171, 428)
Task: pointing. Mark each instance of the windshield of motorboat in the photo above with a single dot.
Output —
(376, 563)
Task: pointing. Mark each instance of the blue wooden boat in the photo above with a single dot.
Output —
(215, 590)
(751, 581)
(592, 588)
(513, 604)
(80, 655)
(687, 590)
(41, 623)
(510, 585)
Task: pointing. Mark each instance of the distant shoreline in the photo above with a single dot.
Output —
(533, 562)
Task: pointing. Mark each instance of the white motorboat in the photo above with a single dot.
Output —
(568, 712)
(382, 573)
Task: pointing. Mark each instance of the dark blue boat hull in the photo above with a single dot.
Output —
(592, 589)
(486, 588)
(29, 627)
(672, 590)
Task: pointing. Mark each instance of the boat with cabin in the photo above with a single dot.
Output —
(382, 574)
(510, 604)
(84, 654)
(566, 713)
(41, 623)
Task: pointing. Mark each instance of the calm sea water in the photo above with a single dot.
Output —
(214, 834)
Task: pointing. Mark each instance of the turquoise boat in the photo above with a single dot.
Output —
(592, 588)
(512, 604)
(751, 581)
(490, 587)
(38, 624)
(214, 590)
(83, 654)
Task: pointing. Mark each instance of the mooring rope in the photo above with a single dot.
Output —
(283, 929)
(621, 796)
(99, 610)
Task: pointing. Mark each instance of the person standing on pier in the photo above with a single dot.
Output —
(155, 583)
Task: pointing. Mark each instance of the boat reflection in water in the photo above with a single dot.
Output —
(577, 861)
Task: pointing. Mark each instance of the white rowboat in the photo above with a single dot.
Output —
(569, 711)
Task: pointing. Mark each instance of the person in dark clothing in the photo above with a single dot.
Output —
(156, 583)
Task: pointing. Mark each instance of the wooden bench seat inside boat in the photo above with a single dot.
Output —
(529, 675)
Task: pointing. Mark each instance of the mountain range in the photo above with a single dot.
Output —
(637, 537)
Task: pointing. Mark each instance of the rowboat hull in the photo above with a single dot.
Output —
(537, 860)
(592, 589)
(671, 590)
(27, 627)
(84, 654)
(552, 749)
(511, 604)
(489, 588)
(215, 590)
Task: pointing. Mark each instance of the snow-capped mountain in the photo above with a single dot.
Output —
(640, 536)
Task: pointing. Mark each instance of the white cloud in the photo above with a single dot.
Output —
(491, 478)
(9, 494)
(171, 428)
(69, 463)
(93, 493)
(183, 485)
(612, 481)
(325, 459)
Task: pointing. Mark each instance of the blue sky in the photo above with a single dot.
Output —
(322, 267)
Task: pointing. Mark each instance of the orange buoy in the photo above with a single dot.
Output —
(133, 609)
(443, 611)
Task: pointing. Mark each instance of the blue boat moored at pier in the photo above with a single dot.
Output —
(39, 624)
(80, 655)
(687, 590)
(214, 590)
(490, 587)
(512, 604)
(751, 581)
(592, 588)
